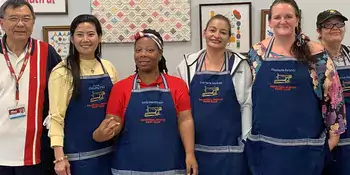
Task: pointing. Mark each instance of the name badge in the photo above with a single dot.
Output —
(17, 112)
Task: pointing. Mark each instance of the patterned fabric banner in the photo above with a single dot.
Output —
(121, 19)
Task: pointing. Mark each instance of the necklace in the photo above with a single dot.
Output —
(222, 66)
(336, 58)
(92, 69)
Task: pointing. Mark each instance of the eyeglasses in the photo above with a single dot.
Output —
(331, 25)
(16, 19)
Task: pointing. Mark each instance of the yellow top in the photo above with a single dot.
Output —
(60, 92)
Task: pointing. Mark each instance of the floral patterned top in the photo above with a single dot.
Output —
(326, 85)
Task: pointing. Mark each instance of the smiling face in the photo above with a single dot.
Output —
(86, 39)
(283, 19)
(18, 23)
(217, 33)
(147, 54)
(332, 30)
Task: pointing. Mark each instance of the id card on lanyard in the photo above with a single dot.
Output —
(18, 110)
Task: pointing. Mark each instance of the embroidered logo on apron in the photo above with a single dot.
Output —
(345, 81)
(97, 94)
(283, 79)
(153, 112)
(210, 92)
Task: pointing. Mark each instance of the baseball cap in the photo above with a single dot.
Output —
(325, 15)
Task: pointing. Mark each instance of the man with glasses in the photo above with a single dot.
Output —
(331, 29)
(25, 65)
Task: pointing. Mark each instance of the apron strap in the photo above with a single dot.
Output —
(202, 57)
(164, 81)
(227, 67)
(346, 54)
(269, 47)
(103, 67)
(201, 61)
(188, 71)
(136, 82)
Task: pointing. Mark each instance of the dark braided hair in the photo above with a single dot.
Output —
(162, 62)
(300, 48)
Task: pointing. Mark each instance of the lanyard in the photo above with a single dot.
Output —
(12, 71)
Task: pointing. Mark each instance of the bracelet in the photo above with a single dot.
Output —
(60, 159)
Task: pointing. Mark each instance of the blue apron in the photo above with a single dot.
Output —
(83, 116)
(287, 136)
(150, 142)
(341, 153)
(217, 119)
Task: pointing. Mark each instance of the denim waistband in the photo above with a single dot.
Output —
(288, 142)
(129, 172)
(89, 154)
(221, 149)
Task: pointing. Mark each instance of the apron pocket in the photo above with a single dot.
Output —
(342, 159)
(287, 157)
(221, 160)
(100, 165)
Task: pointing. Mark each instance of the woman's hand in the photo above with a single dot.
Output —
(106, 130)
(333, 140)
(191, 164)
(62, 167)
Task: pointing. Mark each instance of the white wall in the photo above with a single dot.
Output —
(121, 55)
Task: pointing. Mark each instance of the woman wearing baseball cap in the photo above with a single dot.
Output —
(331, 29)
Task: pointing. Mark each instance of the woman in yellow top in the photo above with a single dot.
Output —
(79, 88)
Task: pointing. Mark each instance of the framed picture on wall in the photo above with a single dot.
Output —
(240, 17)
(49, 7)
(265, 30)
(58, 37)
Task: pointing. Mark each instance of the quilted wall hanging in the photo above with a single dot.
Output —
(121, 19)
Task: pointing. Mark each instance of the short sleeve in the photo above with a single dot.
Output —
(182, 98)
(116, 100)
(111, 70)
(254, 59)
